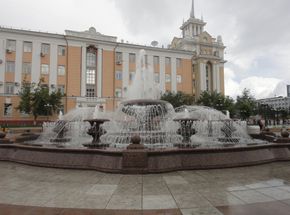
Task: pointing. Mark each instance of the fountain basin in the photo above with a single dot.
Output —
(148, 161)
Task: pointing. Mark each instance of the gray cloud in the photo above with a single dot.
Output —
(256, 32)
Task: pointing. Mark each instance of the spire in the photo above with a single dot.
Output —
(192, 10)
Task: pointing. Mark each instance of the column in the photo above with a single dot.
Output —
(173, 75)
(162, 74)
(194, 30)
(190, 30)
(125, 64)
(18, 65)
(53, 67)
(2, 65)
(202, 73)
(218, 78)
(214, 77)
(35, 73)
(84, 68)
(100, 73)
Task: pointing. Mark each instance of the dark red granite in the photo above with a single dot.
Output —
(265, 208)
(144, 161)
(30, 210)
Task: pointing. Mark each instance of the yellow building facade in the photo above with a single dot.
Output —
(95, 69)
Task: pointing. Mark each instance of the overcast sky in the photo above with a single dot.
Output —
(256, 32)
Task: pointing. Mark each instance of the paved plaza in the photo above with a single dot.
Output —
(263, 189)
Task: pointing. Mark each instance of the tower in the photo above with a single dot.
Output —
(193, 26)
(207, 55)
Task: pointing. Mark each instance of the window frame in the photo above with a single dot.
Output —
(45, 48)
(5, 110)
(44, 69)
(9, 88)
(26, 68)
(156, 60)
(27, 47)
(90, 76)
(118, 93)
(119, 75)
(167, 78)
(61, 50)
(9, 65)
(132, 58)
(9, 45)
(61, 72)
(179, 79)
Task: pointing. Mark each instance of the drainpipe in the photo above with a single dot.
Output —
(66, 72)
(114, 75)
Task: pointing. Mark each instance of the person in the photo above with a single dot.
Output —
(261, 124)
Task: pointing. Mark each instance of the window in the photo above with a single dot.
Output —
(193, 83)
(9, 88)
(91, 59)
(119, 57)
(118, 75)
(7, 109)
(27, 47)
(157, 77)
(90, 91)
(156, 60)
(26, 69)
(118, 93)
(91, 76)
(178, 62)
(45, 49)
(44, 69)
(61, 70)
(61, 89)
(132, 58)
(167, 61)
(167, 78)
(178, 79)
(61, 50)
(11, 45)
(131, 76)
(10, 66)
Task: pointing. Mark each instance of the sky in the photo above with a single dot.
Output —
(255, 32)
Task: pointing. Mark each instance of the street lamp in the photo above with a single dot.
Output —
(47, 107)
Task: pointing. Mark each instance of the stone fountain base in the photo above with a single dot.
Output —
(138, 161)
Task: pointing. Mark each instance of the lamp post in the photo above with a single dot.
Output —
(47, 107)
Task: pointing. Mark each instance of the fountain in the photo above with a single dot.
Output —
(152, 120)
(145, 135)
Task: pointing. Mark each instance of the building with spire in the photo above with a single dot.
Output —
(91, 68)
(208, 55)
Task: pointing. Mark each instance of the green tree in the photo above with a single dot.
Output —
(217, 101)
(246, 104)
(36, 100)
(178, 99)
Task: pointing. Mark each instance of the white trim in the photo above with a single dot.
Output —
(35, 70)
(2, 66)
(202, 73)
(162, 74)
(84, 68)
(18, 64)
(125, 63)
(214, 77)
(218, 78)
(173, 75)
(100, 72)
(53, 67)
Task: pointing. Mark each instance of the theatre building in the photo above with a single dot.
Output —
(92, 69)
